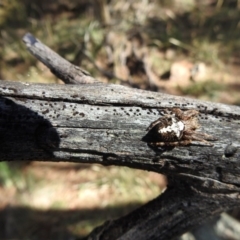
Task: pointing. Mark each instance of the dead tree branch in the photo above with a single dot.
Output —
(106, 124)
(67, 72)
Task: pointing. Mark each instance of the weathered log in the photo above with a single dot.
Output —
(106, 124)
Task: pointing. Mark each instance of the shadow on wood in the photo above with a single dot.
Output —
(106, 124)
(24, 132)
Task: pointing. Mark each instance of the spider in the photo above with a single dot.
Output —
(177, 128)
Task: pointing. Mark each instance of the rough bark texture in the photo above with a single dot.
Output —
(106, 124)
(67, 72)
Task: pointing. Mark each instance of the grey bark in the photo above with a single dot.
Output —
(63, 69)
(106, 124)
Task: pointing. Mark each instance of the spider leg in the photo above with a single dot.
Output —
(200, 137)
(165, 111)
(185, 142)
(206, 136)
(189, 114)
(185, 115)
(153, 124)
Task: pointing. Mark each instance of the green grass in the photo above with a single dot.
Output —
(206, 88)
(10, 176)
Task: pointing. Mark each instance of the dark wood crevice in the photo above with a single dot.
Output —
(90, 122)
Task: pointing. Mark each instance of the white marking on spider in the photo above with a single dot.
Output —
(177, 127)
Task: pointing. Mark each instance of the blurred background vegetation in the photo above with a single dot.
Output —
(183, 47)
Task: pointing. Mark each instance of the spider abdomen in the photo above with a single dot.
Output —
(169, 129)
(177, 128)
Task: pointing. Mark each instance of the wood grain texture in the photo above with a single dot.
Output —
(106, 124)
(177, 210)
(63, 69)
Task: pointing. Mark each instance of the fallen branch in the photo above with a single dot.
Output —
(67, 72)
(106, 124)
